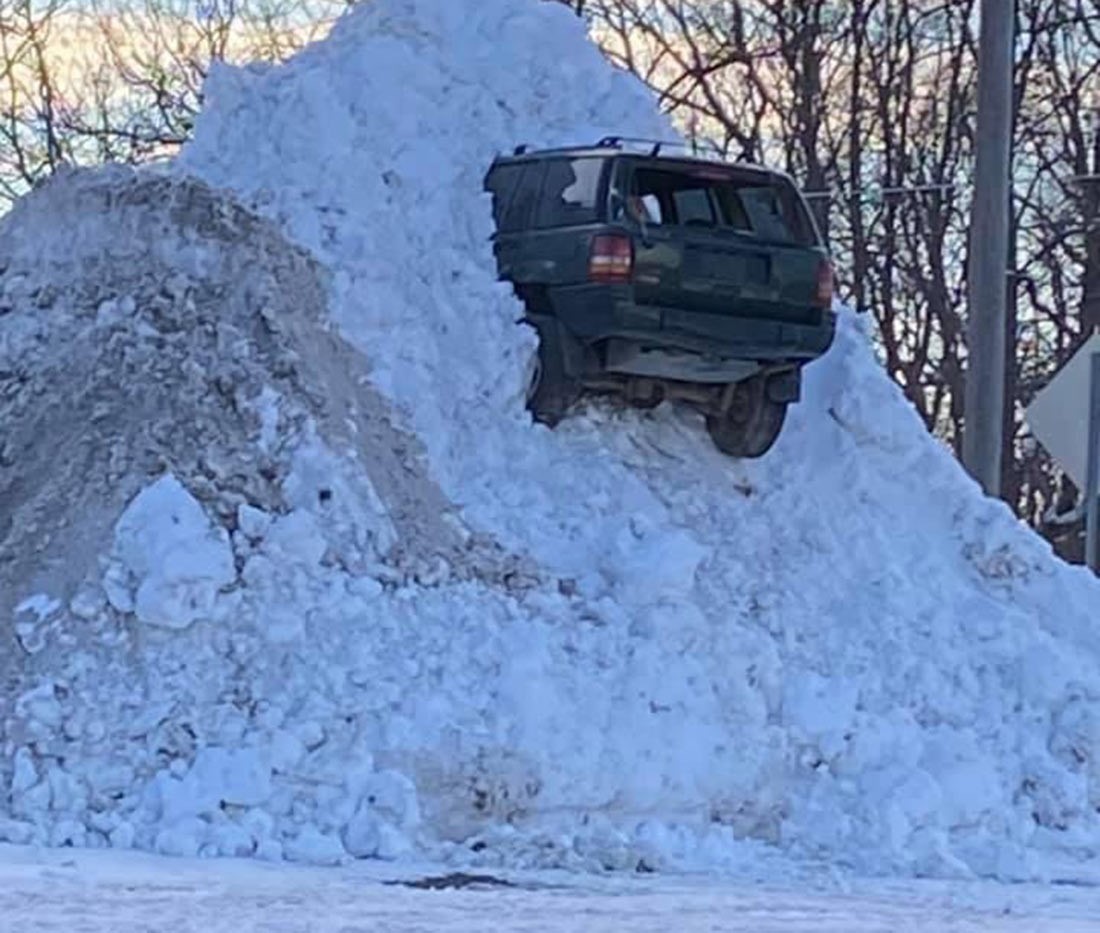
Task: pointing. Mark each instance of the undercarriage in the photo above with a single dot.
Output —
(744, 402)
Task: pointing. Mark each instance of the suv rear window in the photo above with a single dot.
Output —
(706, 198)
(558, 192)
(570, 192)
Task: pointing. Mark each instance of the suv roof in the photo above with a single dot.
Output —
(616, 145)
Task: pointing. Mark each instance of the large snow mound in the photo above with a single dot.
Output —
(153, 325)
(842, 649)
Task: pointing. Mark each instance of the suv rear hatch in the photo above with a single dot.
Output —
(723, 240)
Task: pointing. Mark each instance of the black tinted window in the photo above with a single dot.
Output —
(502, 183)
(570, 193)
(518, 213)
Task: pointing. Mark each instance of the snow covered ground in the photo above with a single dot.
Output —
(87, 892)
(308, 584)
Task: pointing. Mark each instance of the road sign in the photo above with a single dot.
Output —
(1065, 417)
(1059, 416)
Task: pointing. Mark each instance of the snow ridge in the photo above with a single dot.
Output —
(629, 649)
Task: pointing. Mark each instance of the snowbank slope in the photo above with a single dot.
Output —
(842, 649)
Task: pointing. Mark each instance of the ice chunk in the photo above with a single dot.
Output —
(178, 559)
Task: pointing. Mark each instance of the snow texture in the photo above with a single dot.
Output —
(292, 574)
(116, 892)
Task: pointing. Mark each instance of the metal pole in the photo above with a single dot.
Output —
(984, 401)
(1092, 471)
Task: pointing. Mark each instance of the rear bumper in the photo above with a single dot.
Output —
(598, 312)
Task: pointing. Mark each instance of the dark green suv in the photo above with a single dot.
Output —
(655, 277)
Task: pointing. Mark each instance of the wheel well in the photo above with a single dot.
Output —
(535, 298)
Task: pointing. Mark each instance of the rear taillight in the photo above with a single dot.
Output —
(823, 297)
(611, 258)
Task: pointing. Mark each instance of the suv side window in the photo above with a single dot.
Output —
(517, 215)
(570, 192)
(502, 183)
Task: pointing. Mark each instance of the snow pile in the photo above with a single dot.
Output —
(842, 649)
(188, 451)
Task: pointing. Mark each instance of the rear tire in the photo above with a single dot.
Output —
(550, 391)
(751, 428)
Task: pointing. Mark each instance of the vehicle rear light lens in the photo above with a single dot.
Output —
(825, 285)
(611, 258)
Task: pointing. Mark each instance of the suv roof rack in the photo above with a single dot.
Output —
(656, 145)
(709, 152)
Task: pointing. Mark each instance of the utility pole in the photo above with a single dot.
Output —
(986, 338)
(1092, 471)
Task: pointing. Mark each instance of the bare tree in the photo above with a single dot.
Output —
(870, 103)
(122, 80)
(31, 142)
(159, 52)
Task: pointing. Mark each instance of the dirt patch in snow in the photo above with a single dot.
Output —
(151, 324)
